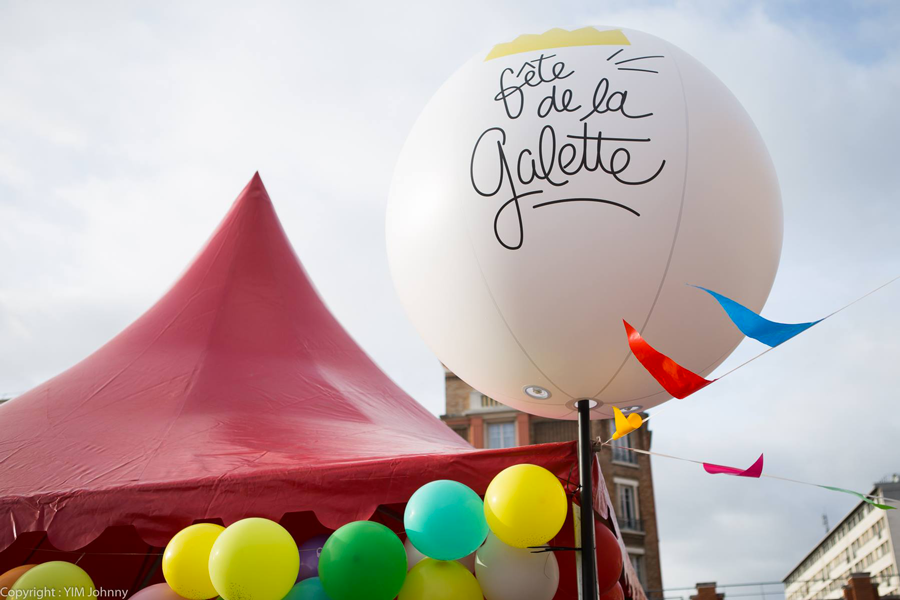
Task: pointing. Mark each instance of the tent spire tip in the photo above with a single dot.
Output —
(256, 184)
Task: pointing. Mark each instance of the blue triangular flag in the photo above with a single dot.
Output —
(754, 326)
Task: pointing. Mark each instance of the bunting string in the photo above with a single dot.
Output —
(754, 473)
(808, 325)
(681, 382)
(841, 309)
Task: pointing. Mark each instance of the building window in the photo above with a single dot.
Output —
(629, 518)
(488, 402)
(461, 431)
(553, 431)
(501, 435)
(637, 561)
(478, 401)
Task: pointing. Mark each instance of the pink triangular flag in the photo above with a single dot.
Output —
(755, 470)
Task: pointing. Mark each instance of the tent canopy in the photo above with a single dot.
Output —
(237, 394)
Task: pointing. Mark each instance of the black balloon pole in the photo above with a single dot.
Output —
(588, 557)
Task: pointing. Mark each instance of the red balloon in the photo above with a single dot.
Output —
(609, 560)
(614, 593)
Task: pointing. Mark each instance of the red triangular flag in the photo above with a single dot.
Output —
(676, 380)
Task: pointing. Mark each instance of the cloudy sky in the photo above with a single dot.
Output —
(127, 129)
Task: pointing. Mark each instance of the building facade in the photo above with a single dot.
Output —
(864, 541)
(486, 423)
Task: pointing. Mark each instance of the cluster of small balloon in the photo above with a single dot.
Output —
(251, 559)
(257, 559)
(55, 579)
(458, 547)
(462, 548)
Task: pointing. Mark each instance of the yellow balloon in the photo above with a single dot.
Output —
(185, 563)
(440, 580)
(525, 505)
(254, 559)
(57, 579)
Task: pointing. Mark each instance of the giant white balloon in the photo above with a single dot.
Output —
(563, 182)
(507, 573)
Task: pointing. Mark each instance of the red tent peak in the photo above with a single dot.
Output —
(254, 185)
(239, 367)
(255, 191)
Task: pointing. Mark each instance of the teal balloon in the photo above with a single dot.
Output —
(445, 520)
(308, 589)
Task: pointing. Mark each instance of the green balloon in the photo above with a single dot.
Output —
(362, 560)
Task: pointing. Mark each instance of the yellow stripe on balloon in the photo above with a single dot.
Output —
(559, 38)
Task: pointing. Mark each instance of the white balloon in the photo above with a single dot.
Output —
(518, 273)
(468, 562)
(413, 557)
(507, 573)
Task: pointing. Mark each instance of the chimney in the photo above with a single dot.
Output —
(860, 587)
(707, 591)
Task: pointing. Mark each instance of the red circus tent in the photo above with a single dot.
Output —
(237, 394)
